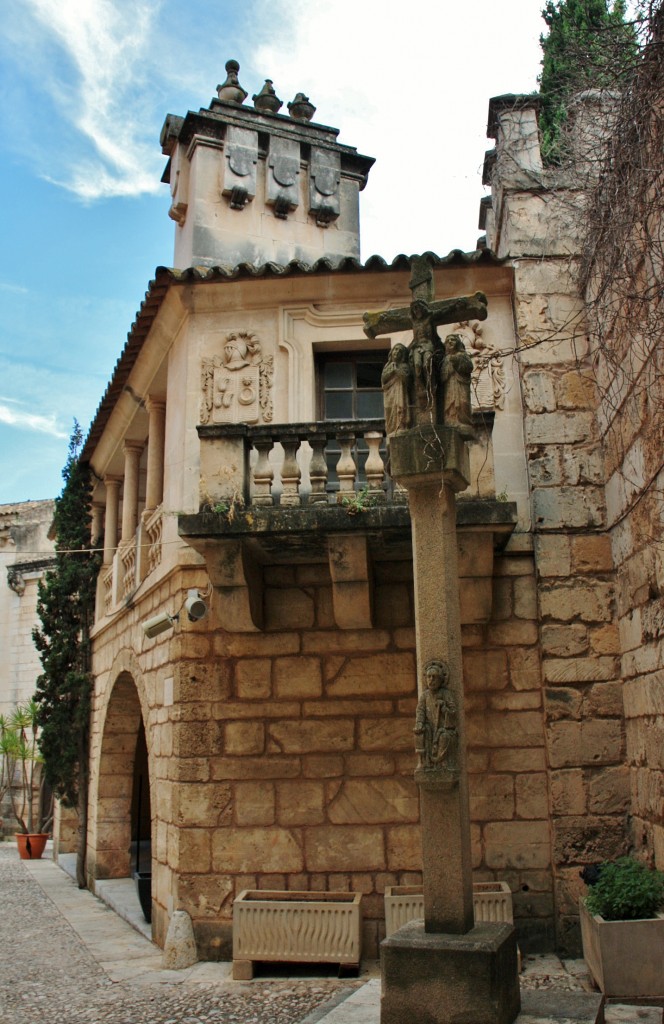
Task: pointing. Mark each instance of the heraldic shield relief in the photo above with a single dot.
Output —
(237, 385)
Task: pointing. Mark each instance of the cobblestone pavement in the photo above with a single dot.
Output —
(47, 973)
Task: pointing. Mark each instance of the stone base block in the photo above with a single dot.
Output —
(450, 979)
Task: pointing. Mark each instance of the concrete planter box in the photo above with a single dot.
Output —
(306, 927)
(626, 958)
(492, 901)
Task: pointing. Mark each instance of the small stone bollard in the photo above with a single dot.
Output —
(180, 946)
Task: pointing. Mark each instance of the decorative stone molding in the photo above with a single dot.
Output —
(237, 386)
(487, 384)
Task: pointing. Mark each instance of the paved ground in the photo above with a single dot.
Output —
(67, 958)
(114, 977)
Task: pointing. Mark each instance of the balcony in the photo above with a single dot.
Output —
(320, 493)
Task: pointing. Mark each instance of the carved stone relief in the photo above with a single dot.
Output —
(237, 385)
(487, 385)
(436, 733)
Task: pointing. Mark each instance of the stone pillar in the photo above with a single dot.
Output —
(447, 970)
(132, 453)
(448, 890)
(156, 431)
(112, 484)
(97, 523)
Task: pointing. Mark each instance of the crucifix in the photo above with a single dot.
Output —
(428, 418)
(428, 360)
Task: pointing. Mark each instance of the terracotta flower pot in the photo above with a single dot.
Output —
(31, 844)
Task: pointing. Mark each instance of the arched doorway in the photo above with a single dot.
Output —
(120, 811)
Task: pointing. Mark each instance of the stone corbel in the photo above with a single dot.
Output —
(352, 581)
(283, 173)
(178, 212)
(240, 172)
(16, 581)
(324, 179)
(238, 581)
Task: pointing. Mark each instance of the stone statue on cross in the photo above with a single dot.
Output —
(426, 370)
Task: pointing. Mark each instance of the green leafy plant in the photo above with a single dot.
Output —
(360, 502)
(626, 890)
(66, 610)
(22, 775)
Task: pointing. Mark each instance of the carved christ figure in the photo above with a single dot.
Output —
(436, 736)
(426, 355)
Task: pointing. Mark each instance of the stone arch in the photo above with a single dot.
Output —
(113, 789)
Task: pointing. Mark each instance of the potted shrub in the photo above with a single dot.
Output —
(622, 929)
(22, 774)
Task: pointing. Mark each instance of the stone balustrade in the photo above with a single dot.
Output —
(294, 464)
(131, 562)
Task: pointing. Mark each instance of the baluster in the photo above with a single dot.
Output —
(318, 469)
(263, 473)
(290, 472)
(373, 467)
(346, 468)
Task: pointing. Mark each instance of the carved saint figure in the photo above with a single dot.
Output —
(436, 736)
(395, 380)
(456, 372)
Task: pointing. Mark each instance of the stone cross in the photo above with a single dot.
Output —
(430, 458)
(414, 385)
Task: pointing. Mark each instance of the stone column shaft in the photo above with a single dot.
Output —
(111, 517)
(154, 490)
(132, 453)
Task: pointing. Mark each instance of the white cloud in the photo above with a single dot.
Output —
(17, 289)
(107, 45)
(28, 421)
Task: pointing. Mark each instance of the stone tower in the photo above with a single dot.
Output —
(249, 184)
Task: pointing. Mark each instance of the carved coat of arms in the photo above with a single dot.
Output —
(237, 385)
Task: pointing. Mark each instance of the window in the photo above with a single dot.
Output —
(350, 385)
(349, 388)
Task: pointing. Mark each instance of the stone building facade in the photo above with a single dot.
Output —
(240, 455)
(26, 552)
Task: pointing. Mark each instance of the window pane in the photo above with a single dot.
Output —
(369, 404)
(368, 375)
(339, 405)
(338, 375)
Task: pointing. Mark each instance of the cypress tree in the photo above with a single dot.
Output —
(65, 608)
(589, 45)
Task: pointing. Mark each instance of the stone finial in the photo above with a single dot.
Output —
(231, 91)
(267, 101)
(301, 108)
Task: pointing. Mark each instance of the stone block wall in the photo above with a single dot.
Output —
(567, 464)
(283, 759)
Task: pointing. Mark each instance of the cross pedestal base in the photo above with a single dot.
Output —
(437, 978)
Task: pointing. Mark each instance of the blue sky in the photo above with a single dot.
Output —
(86, 85)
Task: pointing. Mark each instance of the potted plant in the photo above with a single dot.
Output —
(23, 778)
(622, 929)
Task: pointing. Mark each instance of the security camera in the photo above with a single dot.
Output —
(196, 606)
(158, 624)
